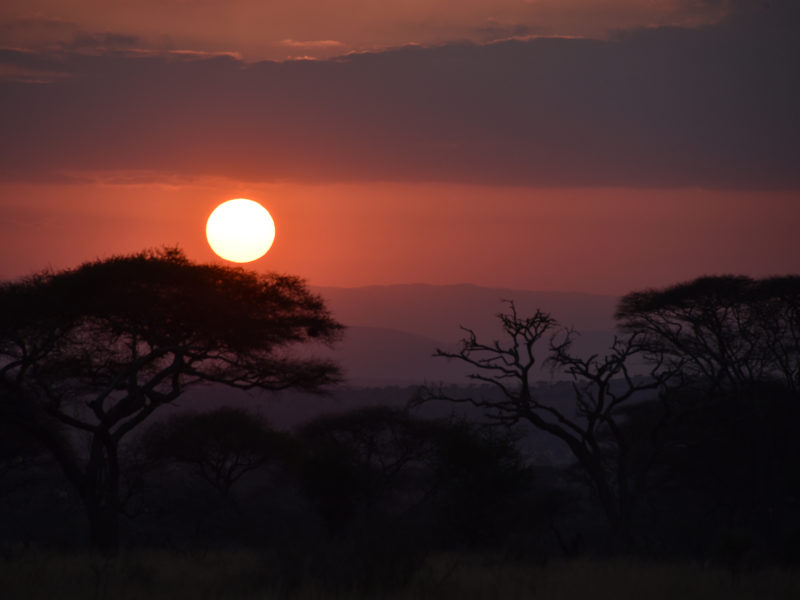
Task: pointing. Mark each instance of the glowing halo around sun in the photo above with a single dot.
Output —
(240, 230)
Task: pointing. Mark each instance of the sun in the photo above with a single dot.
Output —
(240, 230)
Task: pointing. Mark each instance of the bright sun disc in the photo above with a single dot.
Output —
(240, 230)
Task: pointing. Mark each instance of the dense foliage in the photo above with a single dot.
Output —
(98, 349)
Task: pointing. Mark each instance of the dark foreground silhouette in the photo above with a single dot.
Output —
(88, 355)
(678, 445)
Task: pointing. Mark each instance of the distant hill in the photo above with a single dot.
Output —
(436, 311)
(378, 356)
(393, 330)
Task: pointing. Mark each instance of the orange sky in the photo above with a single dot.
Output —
(598, 240)
(626, 159)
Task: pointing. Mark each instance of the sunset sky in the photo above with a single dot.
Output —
(575, 145)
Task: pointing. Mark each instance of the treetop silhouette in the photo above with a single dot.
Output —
(97, 349)
(727, 333)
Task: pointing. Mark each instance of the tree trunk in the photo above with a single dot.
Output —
(618, 510)
(103, 527)
(101, 495)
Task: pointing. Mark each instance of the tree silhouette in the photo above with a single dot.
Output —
(17, 450)
(591, 427)
(381, 462)
(734, 341)
(726, 333)
(221, 446)
(94, 351)
(355, 462)
(394, 486)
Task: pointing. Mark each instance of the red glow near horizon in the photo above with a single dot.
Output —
(592, 240)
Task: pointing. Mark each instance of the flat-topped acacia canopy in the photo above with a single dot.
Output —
(100, 347)
(727, 332)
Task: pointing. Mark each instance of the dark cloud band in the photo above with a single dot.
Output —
(711, 107)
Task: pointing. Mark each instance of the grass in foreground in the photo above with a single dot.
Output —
(249, 575)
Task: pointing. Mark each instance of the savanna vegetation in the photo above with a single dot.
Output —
(679, 477)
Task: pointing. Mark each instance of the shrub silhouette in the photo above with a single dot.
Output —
(221, 446)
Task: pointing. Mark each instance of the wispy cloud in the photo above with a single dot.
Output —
(101, 41)
(312, 44)
(493, 30)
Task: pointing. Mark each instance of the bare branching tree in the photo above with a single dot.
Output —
(592, 427)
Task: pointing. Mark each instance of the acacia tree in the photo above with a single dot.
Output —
(221, 446)
(387, 465)
(354, 461)
(592, 429)
(728, 334)
(17, 451)
(736, 342)
(88, 354)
